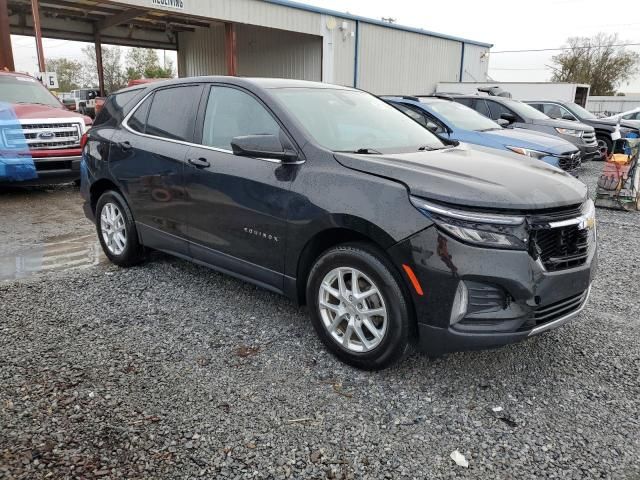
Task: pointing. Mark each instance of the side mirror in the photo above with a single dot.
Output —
(566, 116)
(509, 117)
(432, 127)
(262, 146)
(502, 122)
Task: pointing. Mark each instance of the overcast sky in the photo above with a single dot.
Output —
(508, 24)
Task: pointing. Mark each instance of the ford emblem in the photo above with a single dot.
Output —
(46, 135)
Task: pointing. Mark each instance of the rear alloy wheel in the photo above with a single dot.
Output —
(117, 230)
(114, 231)
(358, 307)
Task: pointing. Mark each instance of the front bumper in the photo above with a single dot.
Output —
(53, 170)
(515, 297)
(589, 152)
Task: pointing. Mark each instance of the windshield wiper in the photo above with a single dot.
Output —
(429, 148)
(489, 129)
(362, 151)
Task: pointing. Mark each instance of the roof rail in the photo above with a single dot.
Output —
(443, 96)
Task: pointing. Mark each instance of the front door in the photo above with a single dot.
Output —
(237, 206)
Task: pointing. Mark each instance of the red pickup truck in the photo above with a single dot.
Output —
(37, 130)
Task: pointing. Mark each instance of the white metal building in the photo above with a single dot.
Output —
(273, 38)
(293, 40)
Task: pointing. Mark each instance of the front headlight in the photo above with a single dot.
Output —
(528, 152)
(569, 131)
(483, 229)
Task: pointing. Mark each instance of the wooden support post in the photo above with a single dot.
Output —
(98, 45)
(6, 53)
(230, 50)
(35, 11)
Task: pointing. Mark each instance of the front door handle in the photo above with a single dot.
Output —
(199, 162)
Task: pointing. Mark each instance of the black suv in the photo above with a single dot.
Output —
(514, 113)
(336, 199)
(573, 112)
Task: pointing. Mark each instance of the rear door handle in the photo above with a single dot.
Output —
(125, 145)
(199, 162)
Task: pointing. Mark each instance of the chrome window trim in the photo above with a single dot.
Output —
(125, 124)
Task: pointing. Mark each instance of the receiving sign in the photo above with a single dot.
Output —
(48, 79)
(177, 4)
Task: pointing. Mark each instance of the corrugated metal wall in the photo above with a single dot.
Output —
(344, 52)
(397, 62)
(476, 66)
(267, 52)
(262, 52)
(202, 52)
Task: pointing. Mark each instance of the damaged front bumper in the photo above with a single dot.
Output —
(508, 295)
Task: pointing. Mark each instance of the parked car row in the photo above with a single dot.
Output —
(459, 122)
(391, 234)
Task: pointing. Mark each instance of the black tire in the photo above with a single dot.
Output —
(133, 252)
(395, 344)
(606, 140)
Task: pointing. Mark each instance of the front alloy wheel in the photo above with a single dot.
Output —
(359, 306)
(352, 309)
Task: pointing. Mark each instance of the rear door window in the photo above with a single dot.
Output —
(138, 120)
(498, 109)
(232, 113)
(113, 108)
(172, 113)
(480, 106)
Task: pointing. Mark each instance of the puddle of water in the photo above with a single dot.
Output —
(56, 253)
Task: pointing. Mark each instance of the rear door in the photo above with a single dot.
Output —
(237, 206)
(147, 161)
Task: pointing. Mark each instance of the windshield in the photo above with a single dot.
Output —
(580, 112)
(25, 90)
(461, 116)
(349, 120)
(524, 110)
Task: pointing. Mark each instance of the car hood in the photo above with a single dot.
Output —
(552, 122)
(519, 137)
(474, 177)
(31, 111)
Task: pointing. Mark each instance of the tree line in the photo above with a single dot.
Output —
(601, 61)
(138, 63)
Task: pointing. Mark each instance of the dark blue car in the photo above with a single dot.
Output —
(458, 122)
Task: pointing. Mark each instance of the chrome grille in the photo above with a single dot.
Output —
(562, 247)
(569, 161)
(42, 136)
(589, 138)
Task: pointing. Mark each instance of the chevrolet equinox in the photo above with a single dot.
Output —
(389, 234)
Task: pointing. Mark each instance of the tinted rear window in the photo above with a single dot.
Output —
(112, 112)
(173, 112)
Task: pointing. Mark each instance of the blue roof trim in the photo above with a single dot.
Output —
(348, 16)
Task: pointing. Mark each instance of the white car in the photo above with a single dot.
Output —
(632, 117)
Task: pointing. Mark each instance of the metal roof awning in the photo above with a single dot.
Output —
(116, 23)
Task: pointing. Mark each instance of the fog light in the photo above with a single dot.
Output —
(460, 302)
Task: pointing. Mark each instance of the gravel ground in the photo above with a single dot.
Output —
(169, 370)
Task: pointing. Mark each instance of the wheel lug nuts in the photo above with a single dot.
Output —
(351, 298)
(360, 306)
